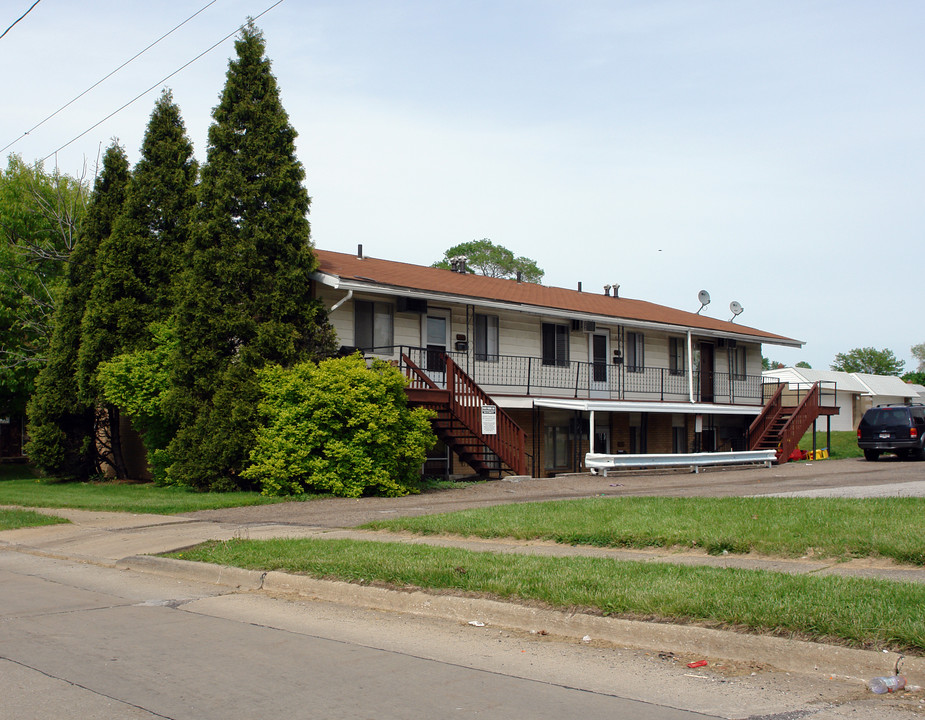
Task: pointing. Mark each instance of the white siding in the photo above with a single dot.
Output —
(342, 318)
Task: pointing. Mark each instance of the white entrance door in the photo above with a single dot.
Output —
(435, 338)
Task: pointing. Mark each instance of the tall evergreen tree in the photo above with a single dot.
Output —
(137, 263)
(246, 298)
(62, 429)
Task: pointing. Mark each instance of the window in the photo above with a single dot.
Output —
(372, 324)
(555, 344)
(486, 338)
(599, 358)
(676, 356)
(678, 434)
(558, 446)
(737, 358)
(638, 426)
(635, 352)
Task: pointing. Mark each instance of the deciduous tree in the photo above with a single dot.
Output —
(869, 360)
(486, 258)
(40, 215)
(918, 352)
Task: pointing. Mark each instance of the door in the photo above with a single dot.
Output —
(706, 372)
(599, 352)
(435, 333)
(602, 433)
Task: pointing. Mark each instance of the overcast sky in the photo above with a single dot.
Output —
(769, 152)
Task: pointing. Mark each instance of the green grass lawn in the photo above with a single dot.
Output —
(861, 613)
(20, 486)
(844, 443)
(787, 527)
(15, 519)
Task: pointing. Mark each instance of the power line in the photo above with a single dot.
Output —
(102, 80)
(20, 17)
(160, 82)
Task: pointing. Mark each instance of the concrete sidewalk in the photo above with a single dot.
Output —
(105, 538)
(128, 541)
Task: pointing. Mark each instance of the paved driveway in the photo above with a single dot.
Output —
(852, 477)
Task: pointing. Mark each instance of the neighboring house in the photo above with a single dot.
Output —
(886, 390)
(574, 370)
(919, 391)
(854, 392)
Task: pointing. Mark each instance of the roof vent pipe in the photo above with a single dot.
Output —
(607, 290)
(520, 276)
(360, 251)
(579, 286)
(616, 290)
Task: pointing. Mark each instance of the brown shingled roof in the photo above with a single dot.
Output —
(374, 271)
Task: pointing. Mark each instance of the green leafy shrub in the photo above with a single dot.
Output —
(137, 384)
(338, 427)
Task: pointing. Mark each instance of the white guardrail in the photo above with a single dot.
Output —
(695, 461)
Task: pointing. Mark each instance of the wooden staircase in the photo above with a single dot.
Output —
(458, 421)
(781, 424)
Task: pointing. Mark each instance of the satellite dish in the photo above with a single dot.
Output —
(736, 308)
(704, 297)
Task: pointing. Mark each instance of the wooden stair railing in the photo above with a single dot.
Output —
(462, 401)
(772, 409)
(780, 428)
(800, 420)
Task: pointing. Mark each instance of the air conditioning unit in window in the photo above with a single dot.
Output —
(584, 325)
(411, 305)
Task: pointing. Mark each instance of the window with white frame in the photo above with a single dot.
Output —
(676, 355)
(373, 325)
(635, 352)
(486, 338)
(555, 344)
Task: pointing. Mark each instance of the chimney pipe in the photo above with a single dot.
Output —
(607, 290)
(360, 251)
(616, 290)
(519, 276)
(579, 286)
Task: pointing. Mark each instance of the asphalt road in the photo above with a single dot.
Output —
(90, 643)
(83, 639)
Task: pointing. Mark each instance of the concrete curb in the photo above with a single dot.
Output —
(232, 577)
(785, 654)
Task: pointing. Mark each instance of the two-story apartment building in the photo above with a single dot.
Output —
(574, 370)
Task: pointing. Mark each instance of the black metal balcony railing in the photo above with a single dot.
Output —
(530, 376)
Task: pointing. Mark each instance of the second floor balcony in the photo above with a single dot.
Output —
(525, 376)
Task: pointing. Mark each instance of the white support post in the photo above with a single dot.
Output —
(690, 367)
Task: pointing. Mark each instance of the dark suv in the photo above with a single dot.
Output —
(898, 429)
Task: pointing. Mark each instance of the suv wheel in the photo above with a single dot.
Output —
(871, 455)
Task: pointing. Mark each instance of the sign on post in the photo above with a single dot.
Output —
(489, 420)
